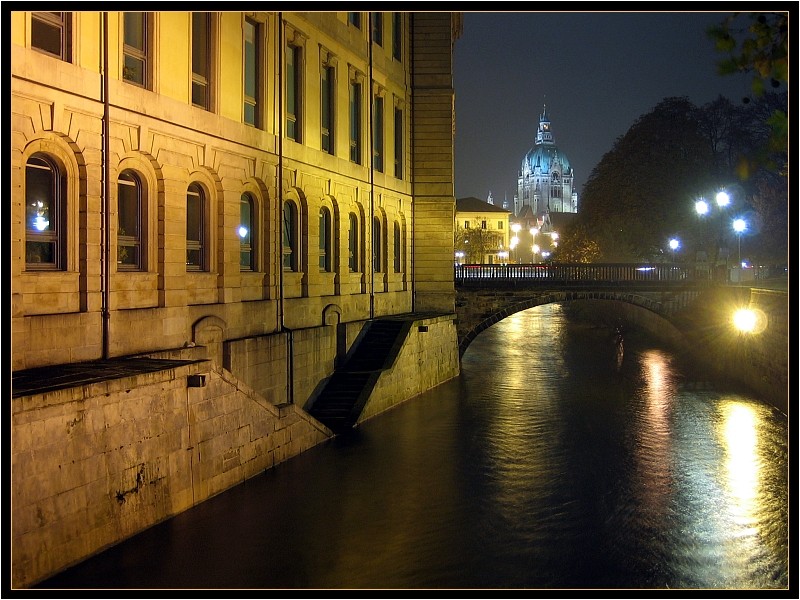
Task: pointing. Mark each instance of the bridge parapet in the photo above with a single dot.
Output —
(575, 275)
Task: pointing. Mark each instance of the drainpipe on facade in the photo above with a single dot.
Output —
(279, 215)
(106, 192)
(371, 224)
(413, 154)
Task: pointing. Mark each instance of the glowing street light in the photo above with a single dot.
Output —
(723, 199)
(701, 207)
(674, 244)
(739, 225)
(744, 320)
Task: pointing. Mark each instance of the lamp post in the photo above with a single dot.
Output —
(534, 248)
(515, 240)
(674, 244)
(703, 209)
(739, 225)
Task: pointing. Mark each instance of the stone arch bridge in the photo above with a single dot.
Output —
(486, 294)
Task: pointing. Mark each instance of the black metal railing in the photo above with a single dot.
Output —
(564, 274)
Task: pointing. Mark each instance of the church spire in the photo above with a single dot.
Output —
(543, 134)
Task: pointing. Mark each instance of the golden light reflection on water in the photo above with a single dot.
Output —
(738, 433)
(654, 450)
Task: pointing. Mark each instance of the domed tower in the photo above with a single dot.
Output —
(545, 183)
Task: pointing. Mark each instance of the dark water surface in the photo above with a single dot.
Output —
(553, 461)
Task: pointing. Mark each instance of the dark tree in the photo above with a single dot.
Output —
(757, 43)
(637, 196)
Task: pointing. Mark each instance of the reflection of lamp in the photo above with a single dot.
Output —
(40, 222)
(242, 231)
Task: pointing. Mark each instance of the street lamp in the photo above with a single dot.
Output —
(674, 244)
(739, 225)
(535, 249)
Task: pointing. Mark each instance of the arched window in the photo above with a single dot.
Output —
(290, 257)
(45, 215)
(376, 245)
(246, 253)
(130, 220)
(324, 239)
(196, 228)
(397, 248)
(352, 244)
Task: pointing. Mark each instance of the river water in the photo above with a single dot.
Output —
(558, 459)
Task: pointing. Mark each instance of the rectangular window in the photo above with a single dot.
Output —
(135, 48)
(397, 36)
(355, 122)
(252, 72)
(201, 60)
(51, 32)
(327, 93)
(483, 224)
(354, 19)
(499, 224)
(377, 135)
(398, 143)
(377, 28)
(293, 93)
(466, 224)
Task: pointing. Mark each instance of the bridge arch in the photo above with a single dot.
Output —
(510, 304)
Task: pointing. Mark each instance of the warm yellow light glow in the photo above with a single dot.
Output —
(516, 227)
(514, 242)
(741, 445)
(744, 320)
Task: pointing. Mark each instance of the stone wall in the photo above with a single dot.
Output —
(94, 465)
(428, 358)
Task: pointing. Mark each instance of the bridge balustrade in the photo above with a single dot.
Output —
(575, 274)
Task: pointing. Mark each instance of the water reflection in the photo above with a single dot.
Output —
(551, 462)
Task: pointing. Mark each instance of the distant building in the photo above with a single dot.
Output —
(481, 232)
(546, 196)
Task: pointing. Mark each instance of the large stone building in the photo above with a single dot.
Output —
(242, 191)
(546, 194)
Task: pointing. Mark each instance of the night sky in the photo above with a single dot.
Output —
(597, 72)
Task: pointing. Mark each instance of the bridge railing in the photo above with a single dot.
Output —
(577, 273)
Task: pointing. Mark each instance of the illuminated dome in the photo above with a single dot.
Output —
(545, 181)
